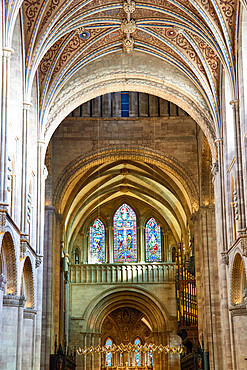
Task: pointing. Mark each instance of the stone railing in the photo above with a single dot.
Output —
(118, 273)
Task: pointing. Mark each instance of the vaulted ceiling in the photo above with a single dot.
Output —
(61, 37)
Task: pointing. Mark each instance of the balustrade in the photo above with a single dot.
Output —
(119, 273)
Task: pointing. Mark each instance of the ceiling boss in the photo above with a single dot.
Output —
(128, 26)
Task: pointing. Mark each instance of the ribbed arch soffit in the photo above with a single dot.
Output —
(138, 298)
(61, 37)
(92, 181)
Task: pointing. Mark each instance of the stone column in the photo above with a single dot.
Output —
(28, 342)
(111, 245)
(24, 191)
(225, 359)
(142, 243)
(3, 282)
(12, 332)
(239, 168)
(6, 54)
(41, 177)
(51, 285)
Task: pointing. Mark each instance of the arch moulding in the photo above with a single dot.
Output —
(137, 298)
(124, 73)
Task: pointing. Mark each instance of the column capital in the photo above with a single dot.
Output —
(26, 105)
(234, 103)
(7, 52)
(3, 282)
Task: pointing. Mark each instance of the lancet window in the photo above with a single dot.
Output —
(97, 242)
(137, 353)
(125, 245)
(109, 343)
(153, 243)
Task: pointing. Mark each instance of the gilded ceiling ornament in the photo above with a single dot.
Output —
(80, 30)
(129, 7)
(128, 44)
(128, 27)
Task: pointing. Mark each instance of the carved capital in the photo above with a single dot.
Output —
(3, 282)
(38, 261)
(215, 168)
(245, 296)
(128, 27)
(129, 7)
(244, 247)
(225, 258)
(14, 300)
(3, 217)
(23, 247)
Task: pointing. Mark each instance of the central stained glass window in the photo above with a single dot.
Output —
(137, 353)
(125, 246)
(97, 242)
(153, 245)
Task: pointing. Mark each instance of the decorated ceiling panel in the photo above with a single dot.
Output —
(197, 36)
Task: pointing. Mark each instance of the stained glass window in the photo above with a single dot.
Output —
(97, 242)
(153, 245)
(125, 247)
(137, 353)
(150, 358)
(108, 358)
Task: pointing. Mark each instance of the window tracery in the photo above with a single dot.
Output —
(137, 353)
(97, 242)
(125, 244)
(153, 241)
(109, 343)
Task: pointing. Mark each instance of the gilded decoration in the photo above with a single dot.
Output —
(150, 16)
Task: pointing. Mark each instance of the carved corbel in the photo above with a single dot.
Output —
(215, 168)
(3, 218)
(23, 247)
(225, 258)
(38, 261)
(245, 296)
(244, 247)
(3, 282)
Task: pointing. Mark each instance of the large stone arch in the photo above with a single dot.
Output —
(238, 271)
(9, 263)
(137, 298)
(28, 283)
(124, 73)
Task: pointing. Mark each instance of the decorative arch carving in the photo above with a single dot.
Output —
(137, 298)
(9, 263)
(28, 283)
(238, 280)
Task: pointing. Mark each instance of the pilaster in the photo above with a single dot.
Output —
(6, 55)
(23, 226)
(239, 167)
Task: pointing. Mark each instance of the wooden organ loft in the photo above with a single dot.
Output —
(194, 356)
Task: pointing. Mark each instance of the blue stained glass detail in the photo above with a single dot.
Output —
(153, 244)
(137, 353)
(124, 104)
(108, 343)
(125, 245)
(97, 242)
(150, 358)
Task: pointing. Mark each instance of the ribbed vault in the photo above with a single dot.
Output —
(196, 38)
(110, 177)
